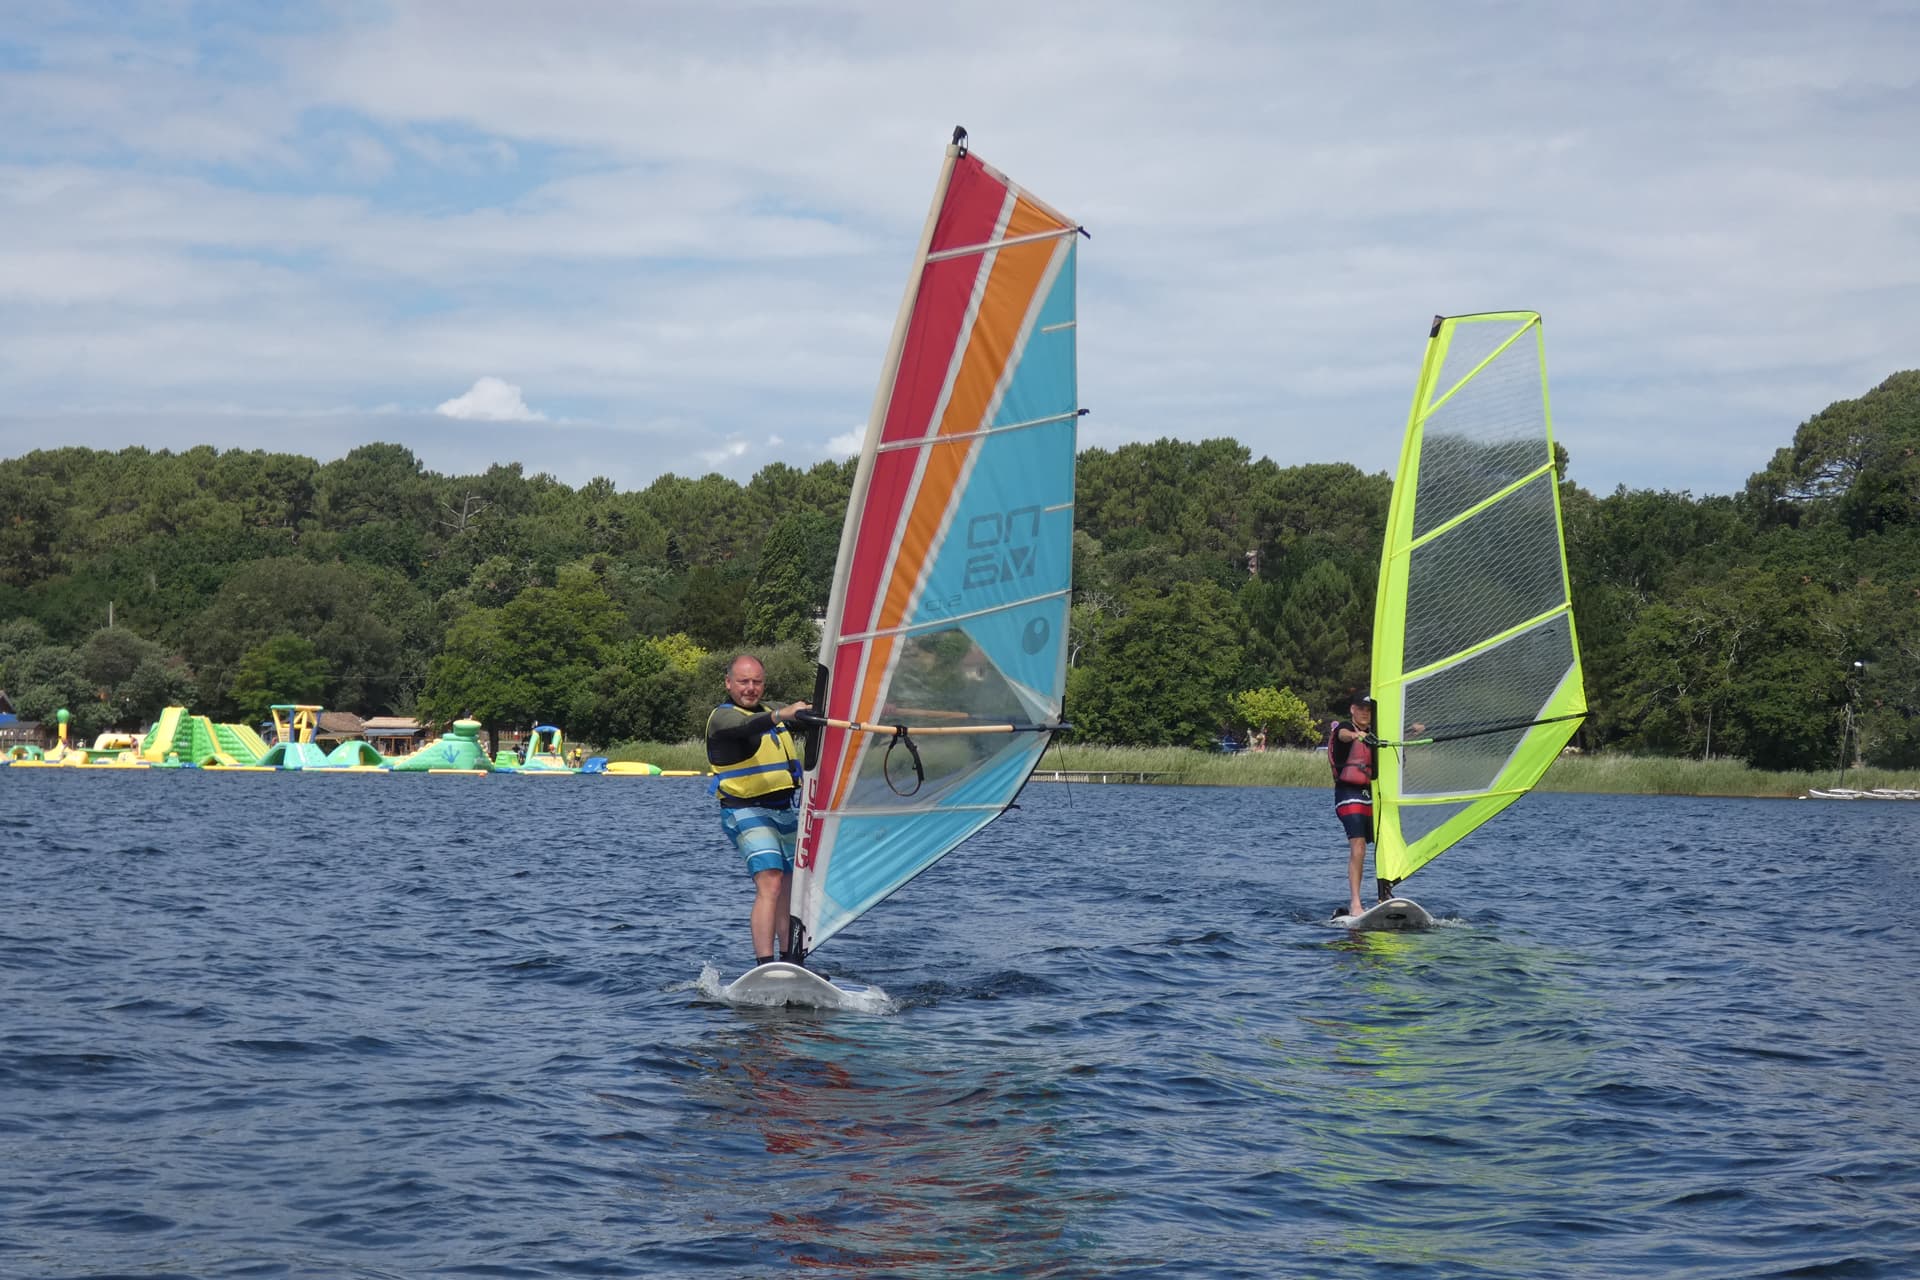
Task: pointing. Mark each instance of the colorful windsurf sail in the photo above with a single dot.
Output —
(943, 652)
(1476, 664)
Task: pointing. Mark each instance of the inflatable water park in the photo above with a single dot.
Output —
(182, 740)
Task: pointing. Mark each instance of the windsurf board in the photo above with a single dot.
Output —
(1394, 913)
(780, 983)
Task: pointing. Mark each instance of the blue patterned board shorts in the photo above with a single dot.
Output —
(1354, 807)
(764, 837)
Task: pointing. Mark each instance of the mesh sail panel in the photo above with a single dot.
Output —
(942, 677)
(1485, 575)
(1472, 341)
(1418, 821)
(1509, 683)
(1489, 434)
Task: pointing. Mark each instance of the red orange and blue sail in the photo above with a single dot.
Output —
(949, 603)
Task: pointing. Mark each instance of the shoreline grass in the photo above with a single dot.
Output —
(1601, 774)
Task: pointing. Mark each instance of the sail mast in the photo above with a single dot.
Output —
(882, 397)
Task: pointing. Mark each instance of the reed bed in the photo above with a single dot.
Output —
(1609, 773)
(1668, 776)
(1604, 773)
(1187, 767)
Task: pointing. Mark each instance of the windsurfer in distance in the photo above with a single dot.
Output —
(756, 771)
(1350, 748)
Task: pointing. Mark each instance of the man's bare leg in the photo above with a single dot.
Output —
(769, 919)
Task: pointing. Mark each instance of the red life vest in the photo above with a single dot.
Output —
(1353, 765)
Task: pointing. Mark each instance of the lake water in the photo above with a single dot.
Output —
(286, 1025)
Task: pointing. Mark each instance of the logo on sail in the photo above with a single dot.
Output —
(1005, 547)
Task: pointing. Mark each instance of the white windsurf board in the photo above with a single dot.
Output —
(1394, 914)
(780, 983)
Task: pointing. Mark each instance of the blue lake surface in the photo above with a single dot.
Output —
(287, 1025)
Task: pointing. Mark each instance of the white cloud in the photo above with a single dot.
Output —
(847, 443)
(490, 400)
(731, 451)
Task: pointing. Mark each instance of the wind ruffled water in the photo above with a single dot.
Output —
(270, 1025)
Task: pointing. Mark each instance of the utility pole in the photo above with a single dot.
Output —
(1853, 692)
(1847, 725)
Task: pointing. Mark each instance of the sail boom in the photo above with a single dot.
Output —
(1482, 731)
(926, 730)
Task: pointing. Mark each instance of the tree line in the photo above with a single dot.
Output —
(1213, 592)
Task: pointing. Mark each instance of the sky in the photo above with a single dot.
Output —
(619, 238)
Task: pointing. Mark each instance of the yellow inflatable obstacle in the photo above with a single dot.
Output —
(110, 750)
(186, 739)
(641, 769)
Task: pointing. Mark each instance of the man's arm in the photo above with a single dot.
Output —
(736, 725)
(733, 734)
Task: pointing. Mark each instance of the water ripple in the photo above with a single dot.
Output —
(1123, 1043)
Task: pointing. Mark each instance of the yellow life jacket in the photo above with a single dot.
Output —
(774, 766)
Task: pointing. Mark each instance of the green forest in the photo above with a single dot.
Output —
(1762, 626)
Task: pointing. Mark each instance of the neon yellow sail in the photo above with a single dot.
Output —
(1476, 664)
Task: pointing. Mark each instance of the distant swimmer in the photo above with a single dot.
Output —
(756, 766)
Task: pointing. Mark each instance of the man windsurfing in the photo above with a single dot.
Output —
(756, 770)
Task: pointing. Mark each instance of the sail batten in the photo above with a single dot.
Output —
(1499, 638)
(952, 586)
(961, 436)
(993, 809)
(1466, 797)
(991, 245)
(1470, 512)
(1476, 661)
(944, 621)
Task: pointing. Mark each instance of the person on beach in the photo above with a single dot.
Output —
(756, 772)
(1350, 748)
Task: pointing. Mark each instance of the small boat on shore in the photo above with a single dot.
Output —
(1848, 793)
